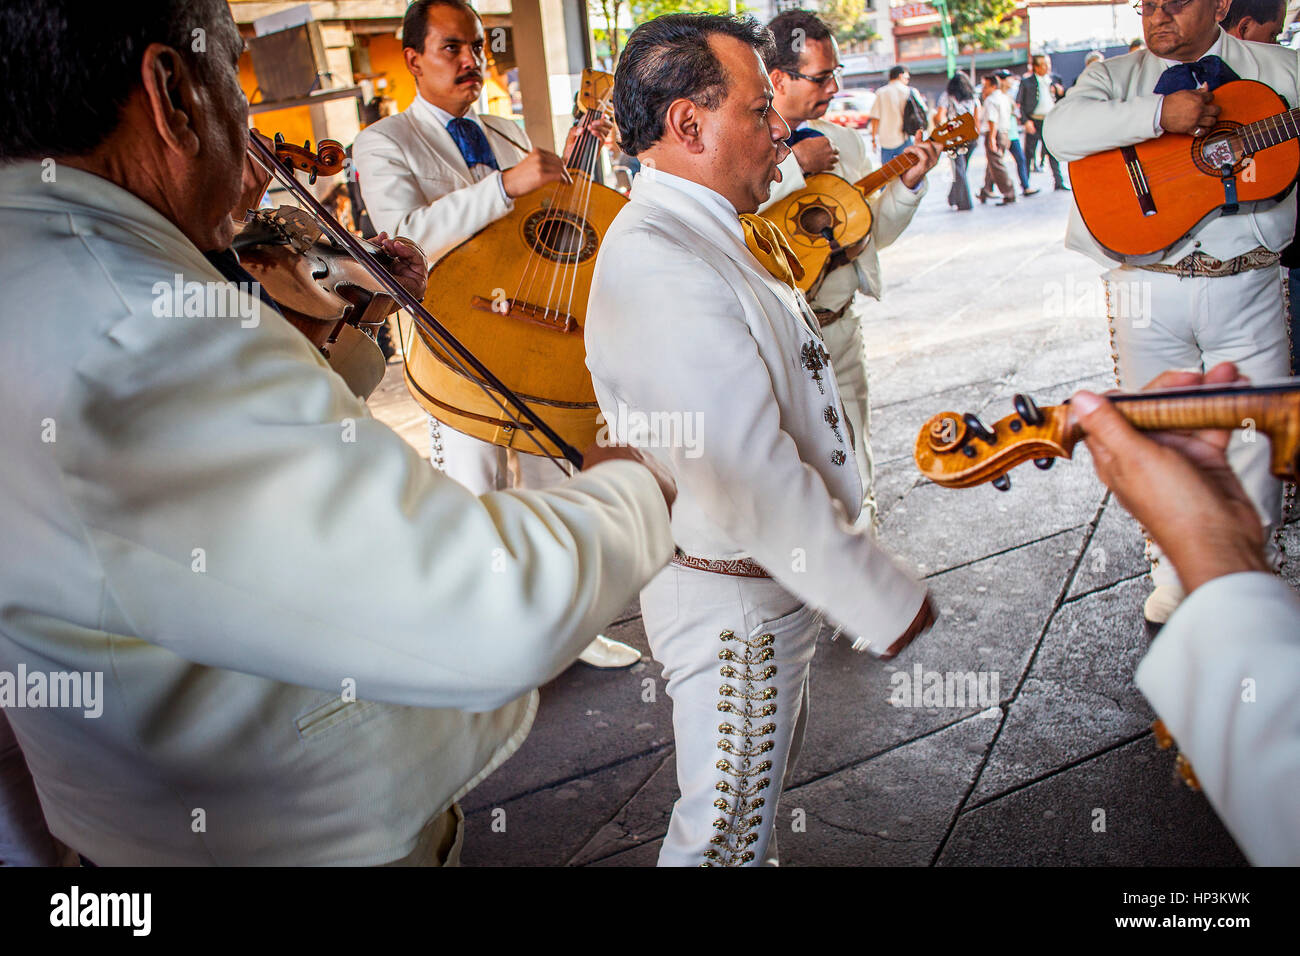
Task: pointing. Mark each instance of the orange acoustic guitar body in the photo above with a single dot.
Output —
(1141, 200)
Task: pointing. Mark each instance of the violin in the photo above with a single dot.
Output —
(314, 232)
(959, 451)
(321, 290)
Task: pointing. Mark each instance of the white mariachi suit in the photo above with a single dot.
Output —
(847, 287)
(416, 183)
(768, 484)
(1192, 321)
(1244, 747)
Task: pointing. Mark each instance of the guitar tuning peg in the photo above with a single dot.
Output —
(1002, 482)
(979, 429)
(1044, 463)
(1028, 409)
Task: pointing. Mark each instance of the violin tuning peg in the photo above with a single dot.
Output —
(1028, 409)
(978, 428)
(1002, 482)
(311, 180)
(1044, 463)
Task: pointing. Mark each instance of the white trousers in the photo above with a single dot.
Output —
(843, 339)
(482, 466)
(1160, 322)
(735, 653)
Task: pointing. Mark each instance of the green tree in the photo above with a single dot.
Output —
(982, 25)
(643, 10)
(845, 19)
(606, 37)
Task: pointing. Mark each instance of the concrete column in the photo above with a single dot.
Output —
(551, 50)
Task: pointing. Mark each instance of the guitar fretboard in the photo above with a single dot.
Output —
(1271, 130)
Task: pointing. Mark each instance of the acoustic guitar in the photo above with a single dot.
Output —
(831, 214)
(1140, 201)
(516, 295)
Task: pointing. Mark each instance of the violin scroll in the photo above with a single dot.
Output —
(327, 160)
(959, 451)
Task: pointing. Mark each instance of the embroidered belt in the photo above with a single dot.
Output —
(1200, 264)
(826, 316)
(737, 567)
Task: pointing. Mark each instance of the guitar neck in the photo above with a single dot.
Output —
(586, 147)
(879, 178)
(1270, 131)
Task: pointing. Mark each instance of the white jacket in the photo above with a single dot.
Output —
(1114, 103)
(415, 182)
(1223, 676)
(682, 319)
(203, 513)
(892, 208)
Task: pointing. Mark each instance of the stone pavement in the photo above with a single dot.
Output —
(1039, 589)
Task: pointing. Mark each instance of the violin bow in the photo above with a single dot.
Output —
(960, 451)
(283, 173)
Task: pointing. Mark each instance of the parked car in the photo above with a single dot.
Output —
(849, 108)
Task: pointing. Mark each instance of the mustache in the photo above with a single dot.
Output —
(466, 77)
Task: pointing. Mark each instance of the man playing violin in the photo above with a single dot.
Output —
(307, 639)
(439, 172)
(1216, 296)
(805, 69)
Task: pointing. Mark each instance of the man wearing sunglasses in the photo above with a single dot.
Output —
(1216, 296)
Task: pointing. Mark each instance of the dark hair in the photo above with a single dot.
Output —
(989, 78)
(415, 23)
(787, 45)
(959, 87)
(896, 71)
(68, 68)
(668, 59)
(1261, 11)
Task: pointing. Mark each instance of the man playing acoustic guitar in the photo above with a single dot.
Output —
(1216, 295)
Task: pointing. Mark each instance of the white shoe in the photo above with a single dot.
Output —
(1162, 602)
(607, 654)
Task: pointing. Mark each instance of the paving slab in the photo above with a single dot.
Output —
(1079, 697)
(547, 827)
(990, 616)
(1116, 552)
(892, 810)
(642, 819)
(1151, 819)
(588, 719)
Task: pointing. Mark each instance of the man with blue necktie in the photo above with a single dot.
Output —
(439, 173)
(1216, 296)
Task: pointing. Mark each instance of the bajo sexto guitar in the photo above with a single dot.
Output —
(1139, 201)
(830, 213)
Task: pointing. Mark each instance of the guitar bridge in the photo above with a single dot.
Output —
(1138, 179)
(548, 318)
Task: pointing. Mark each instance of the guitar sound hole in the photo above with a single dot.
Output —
(815, 219)
(560, 236)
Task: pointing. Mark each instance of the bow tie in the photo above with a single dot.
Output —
(771, 249)
(471, 142)
(1210, 70)
(800, 135)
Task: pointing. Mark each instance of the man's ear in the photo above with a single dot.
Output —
(170, 93)
(682, 125)
(778, 78)
(412, 57)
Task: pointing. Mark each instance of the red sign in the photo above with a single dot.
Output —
(909, 10)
